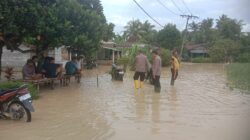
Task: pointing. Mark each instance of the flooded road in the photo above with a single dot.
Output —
(199, 107)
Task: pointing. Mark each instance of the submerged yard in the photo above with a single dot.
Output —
(199, 107)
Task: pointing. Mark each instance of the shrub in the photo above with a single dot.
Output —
(224, 50)
(133, 51)
(165, 56)
(123, 61)
(10, 85)
(238, 75)
(244, 57)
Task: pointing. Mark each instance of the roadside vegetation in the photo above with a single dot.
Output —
(238, 75)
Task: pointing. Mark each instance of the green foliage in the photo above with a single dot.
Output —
(83, 26)
(165, 57)
(141, 32)
(119, 39)
(224, 50)
(133, 28)
(169, 37)
(202, 32)
(244, 57)
(229, 28)
(48, 24)
(133, 51)
(108, 32)
(12, 85)
(238, 75)
(201, 60)
(123, 61)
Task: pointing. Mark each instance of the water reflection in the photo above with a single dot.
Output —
(140, 105)
(155, 113)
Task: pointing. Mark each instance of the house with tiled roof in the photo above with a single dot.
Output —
(197, 50)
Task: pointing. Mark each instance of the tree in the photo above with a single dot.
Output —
(133, 29)
(108, 32)
(48, 24)
(169, 37)
(229, 28)
(202, 32)
(19, 22)
(140, 32)
(119, 39)
(224, 50)
(148, 33)
(84, 25)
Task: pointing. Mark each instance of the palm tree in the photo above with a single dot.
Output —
(133, 30)
(149, 32)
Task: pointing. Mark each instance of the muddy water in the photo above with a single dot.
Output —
(198, 107)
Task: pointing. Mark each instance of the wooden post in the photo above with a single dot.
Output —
(97, 81)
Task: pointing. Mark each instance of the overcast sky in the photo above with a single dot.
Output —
(120, 12)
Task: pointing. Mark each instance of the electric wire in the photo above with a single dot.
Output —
(160, 2)
(177, 7)
(184, 3)
(147, 13)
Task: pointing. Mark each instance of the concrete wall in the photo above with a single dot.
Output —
(15, 59)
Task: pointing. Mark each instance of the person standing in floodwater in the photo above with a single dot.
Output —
(175, 65)
(156, 68)
(141, 66)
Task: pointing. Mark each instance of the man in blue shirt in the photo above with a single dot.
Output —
(71, 67)
(53, 70)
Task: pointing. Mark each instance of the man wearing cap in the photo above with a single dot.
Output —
(156, 68)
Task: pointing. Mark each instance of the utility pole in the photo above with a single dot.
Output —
(185, 31)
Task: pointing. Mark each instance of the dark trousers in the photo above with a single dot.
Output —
(157, 83)
(173, 77)
(140, 75)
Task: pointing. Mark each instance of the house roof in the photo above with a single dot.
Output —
(197, 48)
(109, 45)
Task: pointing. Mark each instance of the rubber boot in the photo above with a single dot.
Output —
(136, 83)
(141, 84)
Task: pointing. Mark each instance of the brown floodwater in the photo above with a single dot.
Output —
(199, 107)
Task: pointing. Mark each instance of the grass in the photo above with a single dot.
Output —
(11, 85)
(238, 75)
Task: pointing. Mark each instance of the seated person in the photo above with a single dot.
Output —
(35, 61)
(29, 71)
(53, 70)
(71, 67)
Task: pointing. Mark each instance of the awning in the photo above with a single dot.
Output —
(111, 48)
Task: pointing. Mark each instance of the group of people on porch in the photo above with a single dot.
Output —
(47, 68)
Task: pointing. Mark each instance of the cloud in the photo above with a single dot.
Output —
(120, 12)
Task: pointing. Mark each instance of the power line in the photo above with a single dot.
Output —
(166, 7)
(184, 3)
(177, 7)
(185, 31)
(147, 13)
